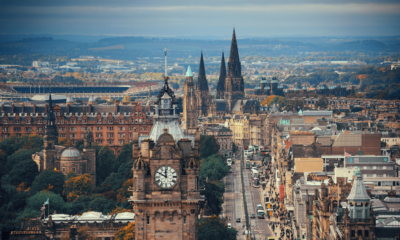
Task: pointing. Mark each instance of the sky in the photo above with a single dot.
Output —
(171, 18)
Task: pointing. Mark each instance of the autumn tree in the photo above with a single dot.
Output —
(127, 98)
(125, 233)
(78, 186)
(64, 142)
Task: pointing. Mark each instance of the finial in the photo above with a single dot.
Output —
(165, 130)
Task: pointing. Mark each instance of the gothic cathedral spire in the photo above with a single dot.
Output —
(221, 81)
(234, 67)
(202, 83)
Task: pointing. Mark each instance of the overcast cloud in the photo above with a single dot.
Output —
(197, 18)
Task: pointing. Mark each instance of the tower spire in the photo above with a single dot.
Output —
(202, 83)
(234, 67)
(221, 80)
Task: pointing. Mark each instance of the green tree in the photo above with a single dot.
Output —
(213, 193)
(125, 155)
(105, 164)
(17, 157)
(101, 204)
(79, 144)
(24, 171)
(35, 203)
(234, 147)
(208, 146)
(214, 228)
(116, 180)
(214, 168)
(49, 179)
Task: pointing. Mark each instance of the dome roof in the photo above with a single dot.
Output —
(71, 152)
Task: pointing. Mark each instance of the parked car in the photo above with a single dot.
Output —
(252, 215)
(229, 225)
(237, 219)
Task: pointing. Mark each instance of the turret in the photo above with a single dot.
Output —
(221, 81)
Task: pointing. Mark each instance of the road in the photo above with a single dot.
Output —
(233, 206)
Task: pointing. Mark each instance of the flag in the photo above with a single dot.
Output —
(47, 202)
(43, 208)
(347, 155)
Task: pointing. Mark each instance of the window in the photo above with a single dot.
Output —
(184, 219)
(110, 121)
(135, 113)
(16, 121)
(28, 129)
(28, 121)
(5, 121)
(63, 169)
(136, 120)
(73, 135)
(366, 233)
(98, 121)
(359, 233)
(121, 128)
(84, 129)
(110, 128)
(62, 121)
(121, 121)
(73, 169)
(110, 135)
(99, 135)
(84, 120)
(40, 121)
(72, 129)
(148, 220)
(99, 128)
(17, 129)
(110, 142)
(73, 121)
(82, 135)
(140, 120)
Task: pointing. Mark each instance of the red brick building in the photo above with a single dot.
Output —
(111, 124)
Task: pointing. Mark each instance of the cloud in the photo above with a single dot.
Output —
(169, 18)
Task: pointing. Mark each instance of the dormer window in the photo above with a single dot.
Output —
(98, 121)
(5, 121)
(17, 121)
(120, 121)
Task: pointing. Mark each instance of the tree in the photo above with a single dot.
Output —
(116, 180)
(125, 155)
(213, 193)
(17, 157)
(213, 168)
(64, 142)
(208, 146)
(35, 203)
(101, 204)
(78, 186)
(49, 179)
(127, 98)
(234, 147)
(105, 164)
(322, 102)
(214, 228)
(79, 145)
(125, 233)
(24, 171)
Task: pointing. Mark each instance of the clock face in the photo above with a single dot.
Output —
(166, 177)
(165, 101)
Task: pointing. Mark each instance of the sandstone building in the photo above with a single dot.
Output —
(165, 196)
(65, 159)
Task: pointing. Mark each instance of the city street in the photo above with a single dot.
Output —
(233, 206)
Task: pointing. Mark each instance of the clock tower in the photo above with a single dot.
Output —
(166, 197)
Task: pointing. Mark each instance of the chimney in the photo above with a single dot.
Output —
(12, 108)
(68, 109)
(22, 107)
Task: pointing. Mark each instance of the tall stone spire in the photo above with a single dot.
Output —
(50, 127)
(202, 83)
(234, 67)
(221, 81)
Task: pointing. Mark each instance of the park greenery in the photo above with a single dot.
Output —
(24, 189)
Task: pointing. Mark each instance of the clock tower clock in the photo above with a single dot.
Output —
(165, 195)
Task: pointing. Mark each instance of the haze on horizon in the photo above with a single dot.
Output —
(256, 18)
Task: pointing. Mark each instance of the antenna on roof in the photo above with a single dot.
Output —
(165, 53)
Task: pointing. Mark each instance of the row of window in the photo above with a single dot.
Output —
(84, 121)
(378, 167)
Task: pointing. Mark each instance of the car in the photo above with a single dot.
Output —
(237, 219)
(252, 215)
(229, 225)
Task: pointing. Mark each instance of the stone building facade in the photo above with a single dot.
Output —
(110, 124)
(230, 89)
(65, 159)
(165, 196)
(224, 138)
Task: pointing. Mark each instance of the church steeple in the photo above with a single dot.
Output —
(50, 128)
(221, 81)
(234, 67)
(202, 83)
